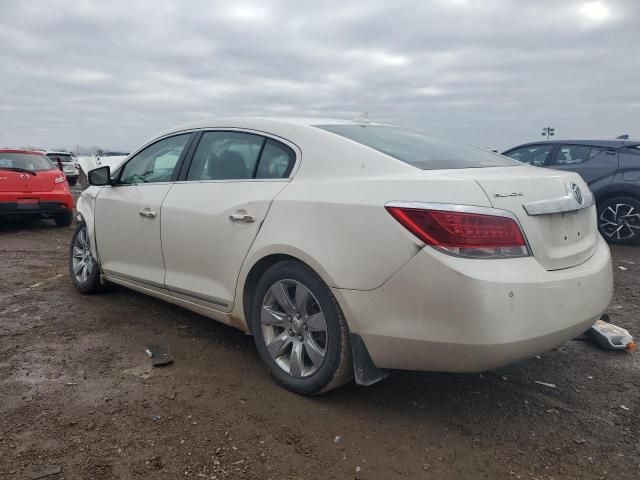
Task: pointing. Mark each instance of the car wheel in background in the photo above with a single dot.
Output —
(299, 330)
(83, 268)
(619, 220)
(72, 181)
(63, 219)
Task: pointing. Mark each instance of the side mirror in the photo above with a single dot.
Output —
(100, 176)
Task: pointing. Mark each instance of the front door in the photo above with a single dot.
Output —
(212, 217)
(127, 214)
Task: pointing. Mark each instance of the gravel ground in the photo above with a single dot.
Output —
(78, 395)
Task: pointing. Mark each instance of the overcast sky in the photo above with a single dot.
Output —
(490, 72)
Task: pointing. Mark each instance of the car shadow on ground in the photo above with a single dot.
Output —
(16, 224)
(512, 393)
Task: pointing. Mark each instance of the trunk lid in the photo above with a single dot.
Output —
(26, 183)
(555, 210)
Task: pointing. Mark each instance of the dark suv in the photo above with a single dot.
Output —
(612, 170)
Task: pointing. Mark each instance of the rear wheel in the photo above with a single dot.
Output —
(72, 181)
(84, 269)
(299, 330)
(63, 219)
(619, 220)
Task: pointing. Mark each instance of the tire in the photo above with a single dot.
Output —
(87, 279)
(319, 336)
(63, 219)
(619, 220)
(72, 181)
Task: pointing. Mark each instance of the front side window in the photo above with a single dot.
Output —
(25, 161)
(535, 155)
(156, 163)
(572, 154)
(419, 150)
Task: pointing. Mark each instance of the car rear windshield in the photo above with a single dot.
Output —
(419, 150)
(64, 157)
(25, 161)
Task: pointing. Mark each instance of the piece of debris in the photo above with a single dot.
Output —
(338, 439)
(624, 407)
(620, 267)
(159, 355)
(611, 337)
(358, 469)
(550, 385)
(47, 473)
(156, 418)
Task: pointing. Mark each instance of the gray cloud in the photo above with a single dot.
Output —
(490, 72)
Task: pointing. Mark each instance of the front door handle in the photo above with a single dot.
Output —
(146, 213)
(242, 217)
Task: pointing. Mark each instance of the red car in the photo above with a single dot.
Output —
(30, 184)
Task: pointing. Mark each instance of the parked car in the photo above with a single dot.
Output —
(70, 165)
(30, 184)
(346, 248)
(611, 168)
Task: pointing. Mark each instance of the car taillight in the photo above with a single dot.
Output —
(59, 179)
(463, 233)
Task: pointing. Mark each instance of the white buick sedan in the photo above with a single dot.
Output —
(348, 249)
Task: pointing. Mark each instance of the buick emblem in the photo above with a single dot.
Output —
(577, 193)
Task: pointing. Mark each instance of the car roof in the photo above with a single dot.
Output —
(55, 152)
(261, 123)
(594, 143)
(18, 150)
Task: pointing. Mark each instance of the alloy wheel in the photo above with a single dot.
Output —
(294, 328)
(82, 261)
(620, 221)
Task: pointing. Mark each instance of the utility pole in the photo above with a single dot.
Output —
(548, 132)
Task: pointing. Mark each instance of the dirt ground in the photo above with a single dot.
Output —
(78, 395)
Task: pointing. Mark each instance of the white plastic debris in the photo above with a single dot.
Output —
(624, 407)
(620, 267)
(611, 337)
(338, 439)
(550, 385)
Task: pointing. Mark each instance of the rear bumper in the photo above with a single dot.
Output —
(35, 203)
(442, 313)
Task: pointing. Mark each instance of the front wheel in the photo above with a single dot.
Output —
(299, 330)
(83, 268)
(619, 220)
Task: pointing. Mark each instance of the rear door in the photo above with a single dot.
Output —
(593, 163)
(212, 216)
(128, 215)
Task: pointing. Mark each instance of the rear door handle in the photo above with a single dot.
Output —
(146, 213)
(242, 217)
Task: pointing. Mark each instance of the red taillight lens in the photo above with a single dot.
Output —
(465, 234)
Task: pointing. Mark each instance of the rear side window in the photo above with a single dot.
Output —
(239, 156)
(419, 150)
(225, 156)
(572, 154)
(276, 160)
(535, 155)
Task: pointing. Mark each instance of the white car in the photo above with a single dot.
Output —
(69, 163)
(347, 248)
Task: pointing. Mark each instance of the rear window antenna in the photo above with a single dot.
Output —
(362, 118)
